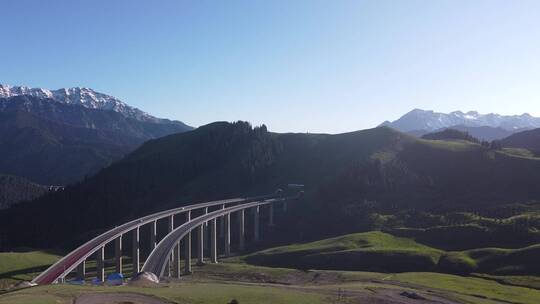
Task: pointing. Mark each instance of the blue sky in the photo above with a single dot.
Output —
(303, 66)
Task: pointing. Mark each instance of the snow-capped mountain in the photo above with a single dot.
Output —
(61, 136)
(85, 97)
(421, 120)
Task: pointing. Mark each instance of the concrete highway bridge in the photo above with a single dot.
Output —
(164, 257)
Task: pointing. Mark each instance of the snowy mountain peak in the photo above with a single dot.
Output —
(429, 121)
(85, 97)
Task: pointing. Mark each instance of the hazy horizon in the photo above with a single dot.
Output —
(306, 66)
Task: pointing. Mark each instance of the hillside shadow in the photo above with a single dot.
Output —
(12, 274)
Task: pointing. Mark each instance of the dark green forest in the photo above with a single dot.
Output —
(452, 194)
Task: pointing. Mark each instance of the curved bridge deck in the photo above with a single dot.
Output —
(161, 255)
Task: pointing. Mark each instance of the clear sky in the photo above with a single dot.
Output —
(304, 66)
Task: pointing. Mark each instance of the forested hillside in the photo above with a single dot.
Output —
(14, 189)
(354, 181)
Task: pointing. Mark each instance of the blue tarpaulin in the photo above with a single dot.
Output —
(115, 279)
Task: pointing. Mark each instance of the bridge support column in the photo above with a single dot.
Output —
(187, 245)
(81, 271)
(205, 233)
(153, 230)
(100, 262)
(227, 234)
(256, 235)
(118, 254)
(222, 224)
(170, 227)
(176, 261)
(213, 241)
(271, 215)
(241, 231)
(200, 245)
(135, 253)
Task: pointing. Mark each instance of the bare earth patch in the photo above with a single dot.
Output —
(116, 298)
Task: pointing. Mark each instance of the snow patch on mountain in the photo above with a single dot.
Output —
(418, 119)
(85, 97)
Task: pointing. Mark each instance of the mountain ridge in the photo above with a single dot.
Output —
(60, 142)
(82, 96)
(430, 120)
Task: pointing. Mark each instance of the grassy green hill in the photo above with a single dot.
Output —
(529, 140)
(233, 279)
(371, 251)
(382, 252)
(20, 266)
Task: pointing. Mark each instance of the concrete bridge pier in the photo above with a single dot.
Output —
(222, 224)
(241, 231)
(176, 261)
(271, 215)
(256, 235)
(118, 254)
(213, 241)
(227, 234)
(200, 239)
(100, 264)
(206, 231)
(187, 245)
(81, 271)
(153, 231)
(135, 249)
(170, 227)
(200, 245)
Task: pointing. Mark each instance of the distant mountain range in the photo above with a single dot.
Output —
(84, 97)
(483, 126)
(59, 137)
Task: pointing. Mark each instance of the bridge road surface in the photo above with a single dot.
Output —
(158, 259)
(68, 263)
